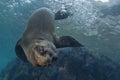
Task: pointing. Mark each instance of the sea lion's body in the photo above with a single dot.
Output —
(40, 25)
(38, 43)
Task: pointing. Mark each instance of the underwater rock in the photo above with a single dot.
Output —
(72, 64)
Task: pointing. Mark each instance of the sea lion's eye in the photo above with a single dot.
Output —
(40, 49)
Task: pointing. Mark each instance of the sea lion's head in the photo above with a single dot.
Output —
(41, 53)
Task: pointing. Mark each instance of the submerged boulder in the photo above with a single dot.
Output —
(72, 64)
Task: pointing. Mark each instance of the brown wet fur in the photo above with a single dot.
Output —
(38, 38)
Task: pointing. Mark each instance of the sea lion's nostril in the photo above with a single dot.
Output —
(46, 52)
(50, 54)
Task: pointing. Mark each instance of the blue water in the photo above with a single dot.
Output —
(94, 24)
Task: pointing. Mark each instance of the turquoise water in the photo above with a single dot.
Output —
(94, 24)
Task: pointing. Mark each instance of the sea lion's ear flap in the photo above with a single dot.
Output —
(67, 41)
(19, 51)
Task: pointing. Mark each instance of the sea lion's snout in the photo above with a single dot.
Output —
(45, 53)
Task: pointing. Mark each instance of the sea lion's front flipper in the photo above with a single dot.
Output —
(67, 41)
(19, 51)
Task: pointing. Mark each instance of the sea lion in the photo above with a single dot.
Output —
(38, 43)
(62, 14)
